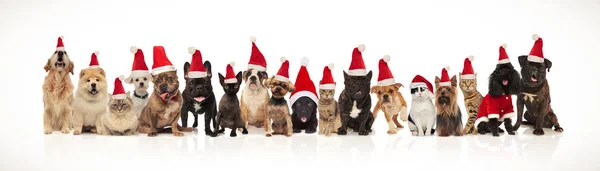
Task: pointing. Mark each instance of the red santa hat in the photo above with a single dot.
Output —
(161, 61)
(357, 65)
(385, 74)
(139, 67)
(503, 59)
(304, 85)
(536, 54)
(421, 81)
(445, 80)
(197, 69)
(327, 81)
(282, 74)
(467, 72)
(59, 45)
(94, 61)
(119, 91)
(230, 74)
(257, 60)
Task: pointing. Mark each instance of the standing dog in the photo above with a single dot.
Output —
(329, 114)
(230, 115)
(91, 98)
(165, 101)
(496, 107)
(120, 119)
(536, 91)
(140, 78)
(255, 95)
(449, 117)
(355, 101)
(422, 112)
(392, 103)
(58, 91)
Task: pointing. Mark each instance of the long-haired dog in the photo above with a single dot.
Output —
(392, 103)
(449, 117)
(58, 91)
(496, 107)
(278, 115)
(91, 99)
(536, 92)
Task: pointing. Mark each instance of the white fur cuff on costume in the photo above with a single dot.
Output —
(357, 72)
(492, 116)
(162, 69)
(508, 115)
(257, 67)
(281, 78)
(303, 94)
(504, 61)
(479, 120)
(386, 82)
(197, 74)
(230, 80)
(468, 76)
(327, 86)
(533, 58)
(445, 84)
(119, 96)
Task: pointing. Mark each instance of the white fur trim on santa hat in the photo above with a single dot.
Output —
(468, 76)
(447, 83)
(386, 82)
(299, 94)
(330, 66)
(357, 72)
(327, 86)
(535, 37)
(386, 58)
(534, 58)
(471, 58)
(119, 96)
(197, 74)
(162, 69)
(508, 115)
(304, 61)
(60, 48)
(192, 50)
(417, 84)
(230, 80)
(252, 39)
(482, 119)
(361, 47)
(133, 49)
(504, 61)
(281, 78)
(257, 67)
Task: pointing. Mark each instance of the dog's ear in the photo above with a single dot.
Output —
(453, 81)
(102, 72)
(522, 60)
(398, 85)
(244, 74)
(264, 74)
(110, 97)
(128, 94)
(548, 64)
(47, 66)
(346, 76)
(267, 82)
(291, 86)
(437, 82)
(374, 90)
(221, 79)
(186, 69)
(129, 80)
(239, 77)
(370, 75)
(208, 68)
(71, 68)
(81, 73)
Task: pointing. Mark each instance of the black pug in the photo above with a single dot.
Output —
(230, 114)
(536, 97)
(355, 104)
(304, 116)
(503, 82)
(198, 98)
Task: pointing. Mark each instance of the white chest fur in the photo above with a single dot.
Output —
(254, 101)
(91, 111)
(393, 108)
(354, 112)
(197, 107)
(139, 104)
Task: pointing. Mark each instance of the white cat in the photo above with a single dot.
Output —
(422, 115)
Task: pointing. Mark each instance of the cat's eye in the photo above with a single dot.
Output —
(235, 86)
(191, 84)
(226, 87)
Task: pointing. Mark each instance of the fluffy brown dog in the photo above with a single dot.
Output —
(278, 111)
(449, 121)
(91, 99)
(392, 103)
(58, 92)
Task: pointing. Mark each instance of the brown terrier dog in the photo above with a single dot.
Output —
(449, 117)
(277, 109)
(391, 102)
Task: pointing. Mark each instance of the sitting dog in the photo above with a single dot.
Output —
(58, 91)
(140, 78)
(355, 104)
(392, 103)
(496, 107)
(329, 114)
(255, 97)
(304, 115)
(449, 117)
(198, 98)
(422, 112)
(120, 119)
(91, 99)
(230, 115)
(278, 111)
(536, 92)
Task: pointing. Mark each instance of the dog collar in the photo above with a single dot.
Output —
(141, 97)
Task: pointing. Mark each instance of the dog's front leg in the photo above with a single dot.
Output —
(288, 120)
(243, 113)
(66, 120)
(207, 130)
(493, 124)
(267, 125)
(48, 121)
(77, 122)
(508, 126)
(174, 125)
(520, 107)
(218, 123)
(216, 129)
(312, 125)
(343, 130)
(539, 124)
(184, 117)
(391, 125)
(153, 123)
(362, 130)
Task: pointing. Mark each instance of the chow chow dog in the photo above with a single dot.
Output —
(91, 100)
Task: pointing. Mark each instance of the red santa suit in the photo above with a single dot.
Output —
(491, 107)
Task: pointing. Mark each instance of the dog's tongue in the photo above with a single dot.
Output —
(504, 82)
(358, 92)
(533, 79)
(303, 119)
(164, 96)
(199, 99)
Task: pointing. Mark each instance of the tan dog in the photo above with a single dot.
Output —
(120, 119)
(58, 92)
(255, 97)
(164, 106)
(392, 103)
(278, 111)
(91, 99)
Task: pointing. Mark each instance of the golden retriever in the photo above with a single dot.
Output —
(58, 92)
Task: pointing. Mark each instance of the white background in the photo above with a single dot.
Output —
(421, 37)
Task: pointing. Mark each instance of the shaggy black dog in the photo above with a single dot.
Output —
(536, 97)
(304, 115)
(504, 81)
(198, 98)
(355, 104)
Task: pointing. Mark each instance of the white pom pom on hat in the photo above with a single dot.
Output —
(133, 49)
(282, 59)
(61, 37)
(447, 68)
(535, 36)
(471, 58)
(504, 45)
(252, 39)
(304, 61)
(96, 53)
(192, 50)
(386, 58)
(121, 77)
(331, 65)
(232, 64)
(361, 47)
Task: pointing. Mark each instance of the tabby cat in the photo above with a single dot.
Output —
(120, 119)
(472, 101)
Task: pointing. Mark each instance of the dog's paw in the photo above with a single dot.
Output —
(268, 135)
(558, 129)
(289, 134)
(328, 134)
(187, 129)
(500, 130)
(93, 130)
(208, 132)
(427, 133)
(47, 132)
(222, 130)
(297, 130)
(232, 134)
(510, 132)
(77, 132)
(369, 130)
(152, 134)
(342, 132)
(495, 134)
(365, 132)
(538, 132)
(195, 125)
(392, 131)
(214, 134)
(65, 130)
(178, 134)
(482, 132)
(310, 131)
(245, 131)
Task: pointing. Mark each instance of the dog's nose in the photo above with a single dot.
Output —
(93, 85)
(443, 93)
(142, 84)
(163, 87)
(385, 96)
(253, 78)
(60, 55)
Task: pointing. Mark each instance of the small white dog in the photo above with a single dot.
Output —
(140, 78)
(422, 111)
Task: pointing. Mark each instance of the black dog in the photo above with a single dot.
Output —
(304, 115)
(536, 97)
(198, 98)
(355, 104)
(230, 115)
(503, 82)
